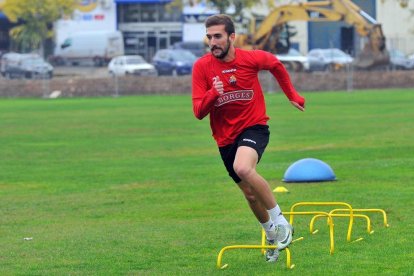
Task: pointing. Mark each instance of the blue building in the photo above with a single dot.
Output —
(338, 34)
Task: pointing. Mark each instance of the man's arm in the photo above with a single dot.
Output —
(279, 71)
(282, 76)
(204, 96)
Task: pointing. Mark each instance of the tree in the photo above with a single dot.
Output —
(34, 20)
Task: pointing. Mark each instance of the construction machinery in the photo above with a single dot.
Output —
(268, 36)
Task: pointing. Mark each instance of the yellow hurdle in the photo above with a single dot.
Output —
(230, 247)
(384, 215)
(334, 203)
(368, 220)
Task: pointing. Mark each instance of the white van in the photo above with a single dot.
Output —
(97, 46)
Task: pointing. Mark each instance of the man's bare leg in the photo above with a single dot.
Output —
(245, 167)
(257, 208)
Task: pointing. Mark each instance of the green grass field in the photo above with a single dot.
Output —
(135, 186)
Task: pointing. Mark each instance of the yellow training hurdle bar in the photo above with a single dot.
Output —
(370, 210)
(340, 215)
(334, 212)
(333, 203)
(230, 247)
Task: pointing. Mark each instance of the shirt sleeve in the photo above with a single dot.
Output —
(203, 94)
(268, 61)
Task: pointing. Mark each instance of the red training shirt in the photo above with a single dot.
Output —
(242, 104)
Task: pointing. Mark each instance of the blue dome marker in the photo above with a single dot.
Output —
(309, 170)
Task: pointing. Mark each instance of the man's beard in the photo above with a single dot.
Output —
(224, 52)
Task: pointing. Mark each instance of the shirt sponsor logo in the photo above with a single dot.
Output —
(229, 71)
(239, 95)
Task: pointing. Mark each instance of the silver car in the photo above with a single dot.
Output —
(30, 66)
(332, 59)
(399, 61)
(131, 65)
(294, 60)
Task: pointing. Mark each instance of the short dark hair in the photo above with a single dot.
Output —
(221, 19)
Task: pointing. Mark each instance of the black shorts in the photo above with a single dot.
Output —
(256, 137)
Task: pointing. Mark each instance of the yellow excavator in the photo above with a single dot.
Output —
(267, 36)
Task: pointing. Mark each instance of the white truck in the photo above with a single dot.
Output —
(96, 46)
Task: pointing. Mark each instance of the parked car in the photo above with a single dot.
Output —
(197, 48)
(131, 65)
(400, 61)
(328, 59)
(173, 62)
(15, 65)
(294, 60)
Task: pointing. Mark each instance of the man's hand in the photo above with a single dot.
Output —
(218, 85)
(298, 102)
(298, 106)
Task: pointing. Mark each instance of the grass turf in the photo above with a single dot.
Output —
(135, 186)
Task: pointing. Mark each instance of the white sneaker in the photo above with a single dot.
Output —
(284, 234)
(271, 254)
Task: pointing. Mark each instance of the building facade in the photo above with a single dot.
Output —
(397, 24)
(149, 25)
(146, 25)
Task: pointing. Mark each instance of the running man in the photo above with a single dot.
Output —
(225, 85)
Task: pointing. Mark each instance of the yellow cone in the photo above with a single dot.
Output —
(280, 189)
